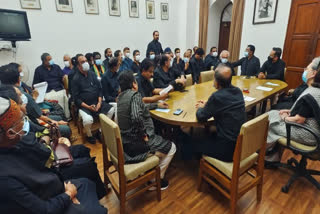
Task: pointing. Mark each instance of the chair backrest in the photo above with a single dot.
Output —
(207, 76)
(112, 139)
(189, 80)
(254, 135)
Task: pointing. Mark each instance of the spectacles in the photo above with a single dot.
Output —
(21, 132)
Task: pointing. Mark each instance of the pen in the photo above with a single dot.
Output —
(184, 115)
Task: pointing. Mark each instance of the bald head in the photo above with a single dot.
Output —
(223, 77)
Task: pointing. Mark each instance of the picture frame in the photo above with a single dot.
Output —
(64, 6)
(265, 11)
(30, 4)
(91, 6)
(114, 7)
(150, 10)
(133, 6)
(164, 7)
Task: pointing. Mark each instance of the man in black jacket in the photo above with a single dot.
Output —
(250, 64)
(212, 59)
(197, 65)
(155, 45)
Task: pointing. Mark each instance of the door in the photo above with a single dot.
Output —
(303, 39)
(225, 23)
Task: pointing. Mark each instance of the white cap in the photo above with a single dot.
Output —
(4, 105)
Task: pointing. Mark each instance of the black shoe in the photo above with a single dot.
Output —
(164, 184)
(271, 164)
(91, 140)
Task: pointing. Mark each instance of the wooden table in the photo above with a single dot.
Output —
(187, 100)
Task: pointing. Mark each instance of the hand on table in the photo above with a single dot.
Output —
(261, 76)
(163, 105)
(200, 104)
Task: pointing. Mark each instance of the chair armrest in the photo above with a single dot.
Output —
(308, 129)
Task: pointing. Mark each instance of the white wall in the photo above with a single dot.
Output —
(59, 33)
(265, 36)
(192, 23)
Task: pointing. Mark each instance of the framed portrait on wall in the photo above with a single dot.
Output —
(134, 8)
(114, 8)
(64, 5)
(150, 11)
(164, 11)
(265, 11)
(30, 4)
(91, 6)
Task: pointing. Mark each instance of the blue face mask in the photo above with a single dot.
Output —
(186, 60)
(24, 99)
(304, 76)
(224, 60)
(51, 62)
(246, 54)
(98, 62)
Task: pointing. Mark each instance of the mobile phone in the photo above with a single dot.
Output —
(178, 112)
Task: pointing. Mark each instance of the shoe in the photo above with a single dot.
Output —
(164, 184)
(271, 164)
(91, 140)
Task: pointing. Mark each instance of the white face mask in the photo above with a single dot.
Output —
(177, 54)
(86, 66)
(224, 60)
(138, 58)
(186, 59)
(127, 55)
(123, 57)
(215, 54)
(24, 99)
(21, 74)
(171, 63)
(152, 56)
(67, 63)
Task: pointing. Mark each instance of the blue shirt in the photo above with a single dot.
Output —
(53, 77)
(110, 86)
(127, 63)
(66, 70)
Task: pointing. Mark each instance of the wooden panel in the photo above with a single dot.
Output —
(318, 48)
(224, 36)
(298, 54)
(306, 14)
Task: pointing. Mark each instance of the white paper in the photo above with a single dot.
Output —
(162, 110)
(166, 90)
(272, 84)
(42, 89)
(262, 88)
(248, 99)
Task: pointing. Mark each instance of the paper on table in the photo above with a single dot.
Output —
(42, 89)
(166, 90)
(272, 84)
(264, 88)
(248, 99)
(162, 110)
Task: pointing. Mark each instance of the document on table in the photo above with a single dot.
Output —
(248, 99)
(42, 89)
(272, 84)
(262, 88)
(166, 90)
(162, 110)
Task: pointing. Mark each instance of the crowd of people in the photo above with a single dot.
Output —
(121, 88)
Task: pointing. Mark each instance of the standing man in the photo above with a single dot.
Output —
(197, 65)
(211, 59)
(250, 64)
(127, 62)
(107, 55)
(67, 64)
(135, 67)
(155, 45)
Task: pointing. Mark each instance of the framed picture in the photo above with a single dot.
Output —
(114, 8)
(150, 9)
(91, 6)
(134, 8)
(265, 11)
(30, 4)
(164, 11)
(64, 5)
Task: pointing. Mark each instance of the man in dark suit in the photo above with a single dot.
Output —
(250, 64)
(155, 45)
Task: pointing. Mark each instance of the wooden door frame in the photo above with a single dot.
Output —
(221, 17)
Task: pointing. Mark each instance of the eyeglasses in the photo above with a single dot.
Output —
(21, 132)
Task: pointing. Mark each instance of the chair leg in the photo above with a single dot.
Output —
(312, 180)
(122, 202)
(200, 176)
(259, 191)
(233, 203)
(313, 172)
(286, 187)
(158, 183)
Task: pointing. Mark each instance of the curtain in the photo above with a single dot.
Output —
(236, 29)
(203, 23)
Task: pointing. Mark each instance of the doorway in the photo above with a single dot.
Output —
(225, 23)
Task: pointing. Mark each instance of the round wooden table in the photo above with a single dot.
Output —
(188, 99)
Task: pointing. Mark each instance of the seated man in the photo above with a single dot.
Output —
(178, 60)
(87, 95)
(137, 130)
(109, 82)
(250, 64)
(136, 62)
(186, 60)
(224, 58)
(195, 48)
(67, 64)
(119, 56)
(274, 67)
(89, 57)
(26, 184)
(164, 76)
(98, 67)
(148, 93)
(228, 109)
(211, 59)
(107, 55)
(127, 62)
(52, 74)
(197, 65)
(24, 86)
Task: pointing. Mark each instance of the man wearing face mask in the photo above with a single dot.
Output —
(98, 67)
(154, 45)
(250, 64)
(87, 95)
(227, 107)
(118, 54)
(127, 62)
(274, 67)
(107, 55)
(211, 59)
(224, 59)
(178, 60)
(197, 65)
(135, 67)
(67, 64)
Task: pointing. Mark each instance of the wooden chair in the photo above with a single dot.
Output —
(189, 80)
(206, 76)
(126, 177)
(66, 84)
(252, 138)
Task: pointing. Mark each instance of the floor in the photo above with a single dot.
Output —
(182, 195)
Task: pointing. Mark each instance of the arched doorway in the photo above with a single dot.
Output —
(225, 23)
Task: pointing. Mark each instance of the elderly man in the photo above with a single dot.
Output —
(227, 107)
(224, 59)
(212, 59)
(67, 64)
(250, 64)
(154, 45)
(87, 95)
(197, 65)
(51, 73)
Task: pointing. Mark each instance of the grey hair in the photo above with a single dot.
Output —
(225, 51)
(66, 55)
(113, 62)
(315, 64)
(44, 56)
